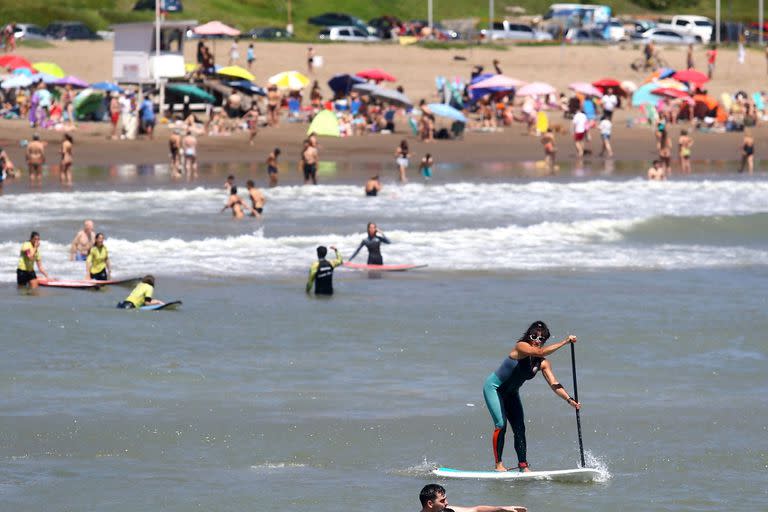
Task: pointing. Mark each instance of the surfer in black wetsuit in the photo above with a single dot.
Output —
(321, 272)
(373, 244)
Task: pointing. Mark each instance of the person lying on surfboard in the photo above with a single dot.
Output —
(141, 295)
(373, 243)
(433, 499)
(502, 388)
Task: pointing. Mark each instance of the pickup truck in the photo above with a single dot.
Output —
(507, 30)
(692, 25)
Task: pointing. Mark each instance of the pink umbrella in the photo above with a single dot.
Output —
(498, 82)
(73, 81)
(377, 75)
(585, 88)
(536, 89)
(215, 28)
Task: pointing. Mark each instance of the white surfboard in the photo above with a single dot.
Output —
(560, 475)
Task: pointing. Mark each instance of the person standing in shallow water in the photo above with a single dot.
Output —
(502, 389)
(321, 272)
(373, 243)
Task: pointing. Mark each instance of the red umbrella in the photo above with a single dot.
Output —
(14, 62)
(376, 75)
(605, 83)
(670, 92)
(691, 75)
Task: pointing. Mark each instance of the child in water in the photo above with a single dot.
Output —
(426, 166)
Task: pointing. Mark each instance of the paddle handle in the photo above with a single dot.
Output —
(576, 397)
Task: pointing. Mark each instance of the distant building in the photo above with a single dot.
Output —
(134, 58)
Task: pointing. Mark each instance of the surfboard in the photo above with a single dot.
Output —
(560, 475)
(158, 307)
(82, 283)
(381, 268)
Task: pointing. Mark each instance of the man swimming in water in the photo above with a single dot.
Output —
(373, 186)
(373, 243)
(82, 243)
(433, 499)
(141, 295)
(321, 272)
(257, 199)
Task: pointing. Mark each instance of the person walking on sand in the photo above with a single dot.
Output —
(401, 159)
(711, 58)
(189, 145)
(310, 59)
(684, 144)
(433, 499)
(579, 126)
(234, 54)
(35, 155)
(372, 186)
(257, 199)
(65, 168)
(689, 57)
(250, 56)
(747, 152)
(272, 168)
(550, 150)
(310, 158)
(606, 127)
(425, 167)
(82, 243)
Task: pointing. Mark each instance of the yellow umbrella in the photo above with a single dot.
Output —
(49, 68)
(236, 72)
(292, 80)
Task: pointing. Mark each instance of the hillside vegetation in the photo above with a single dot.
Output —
(247, 14)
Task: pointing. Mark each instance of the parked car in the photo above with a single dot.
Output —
(585, 36)
(337, 19)
(635, 28)
(29, 31)
(71, 30)
(384, 25)
(349, 34)
(517, 31)
(616, 31)
(692, 25)
(662, 35)
(165, 5)
(269, 33)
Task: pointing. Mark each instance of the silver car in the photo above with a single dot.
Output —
(662, 35)
(349, 34)
(29, 31)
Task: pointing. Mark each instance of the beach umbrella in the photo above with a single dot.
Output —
(392, 96)
(644, 95)
(605, 83)
(585, 88)
(193, 91)
(536, 89)
(17, 81)
(49, 68)
(87, 101)
(236, 72)
(666, 72)
(107, 86)
(629, 86)
(247, 87)
(377, 75)
(366, 88)
(23, 71)
(497, 83)
(444, 110)
(44, 77)
(325, 123)
(14, 62)
(671, 84)
(71, 80)
(670, 93)
(215, 28)
(691, 76)
(343, 83)
(292, 80)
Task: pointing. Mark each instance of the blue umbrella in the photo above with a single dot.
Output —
(666, 72)
(107, 86)
(443, 110)
(247, 87)
(343, 83)
(22, 71)
(643, 96)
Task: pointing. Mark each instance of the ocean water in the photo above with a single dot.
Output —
(255, 396)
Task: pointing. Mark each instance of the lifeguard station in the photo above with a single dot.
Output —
(136, 58)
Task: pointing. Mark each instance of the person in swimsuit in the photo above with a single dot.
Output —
(372, 186)
(502, 389)
(310, 158)
(6, 168)
(272, 169)
(426, 166)
(656, 171)
(35, 159)
(321, 272)
(257, 199)
(401, 159)
(252, 120)
(685, 143)
(141, 295)
(189, 144)
(664, 147)
(550, 150)
(82, 243)
(237, 204)
(373, 243)
(433, 499)
(97, 266)
(29, 256)
(65, 172)
(747, 152)
(273, 104)
(174, 148)
(310, 59)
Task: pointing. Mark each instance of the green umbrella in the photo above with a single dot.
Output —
(87, 102)
(325, 123)
(192, 91)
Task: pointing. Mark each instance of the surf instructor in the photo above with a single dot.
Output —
(373, 243)
(502, 388)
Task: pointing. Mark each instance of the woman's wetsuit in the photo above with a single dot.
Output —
(373, 244)
(502, 396)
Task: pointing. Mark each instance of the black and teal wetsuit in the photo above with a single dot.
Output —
(502, 396)
(373, 244)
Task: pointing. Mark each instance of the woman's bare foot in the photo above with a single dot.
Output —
(500, 467)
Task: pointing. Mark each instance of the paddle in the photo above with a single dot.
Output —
(576, 397)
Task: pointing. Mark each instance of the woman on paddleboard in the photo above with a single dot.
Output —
(373, 243)
(502, 388)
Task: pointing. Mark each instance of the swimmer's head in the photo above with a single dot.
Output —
(233, 191)
(537, 333)
(250, 184)
(99, 241)
(35, 136)
(34, 235)
(149, 279)
(277, 151)
(322, 251)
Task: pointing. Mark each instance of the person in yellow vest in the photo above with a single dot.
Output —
(141, 295)
(28, 257)
(97, 265)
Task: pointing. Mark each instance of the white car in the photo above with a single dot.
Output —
(27, 31)
(662, 35)
(616, 30)
(514, 31)
(349, 34)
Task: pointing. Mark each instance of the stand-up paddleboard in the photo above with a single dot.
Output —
(157, 307)
(560, 475)
(381, 268)
(82, 284)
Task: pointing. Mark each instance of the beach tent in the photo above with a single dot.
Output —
(236, 72)
(215, 28)
(325, 123)
(292, 80)
(49, 68)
